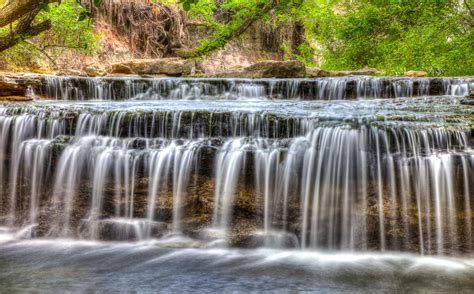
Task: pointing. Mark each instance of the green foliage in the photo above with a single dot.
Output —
(67, 33)
(238, 15)
(392, 35)
(396, 36)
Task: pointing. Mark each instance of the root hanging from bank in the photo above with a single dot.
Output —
(151, 29)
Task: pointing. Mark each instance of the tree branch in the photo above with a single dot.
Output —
(41, 50)
(31, 31)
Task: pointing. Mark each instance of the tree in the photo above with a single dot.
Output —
(20, 16)
(239, 17)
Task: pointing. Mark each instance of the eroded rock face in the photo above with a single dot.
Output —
(416, 74)
(160, 66)
(9, 87)
(14, 87)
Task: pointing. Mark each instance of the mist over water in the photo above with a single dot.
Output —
(239, 185)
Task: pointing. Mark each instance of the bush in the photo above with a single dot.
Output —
(395, 36)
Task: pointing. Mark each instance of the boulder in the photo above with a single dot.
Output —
(269, 69)
(70, 72)
(416, 74)
(94, 71)
(275, 69)
(120, 68)
(16, 85)
(9, 87)
(160, 66)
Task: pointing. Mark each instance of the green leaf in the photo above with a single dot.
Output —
(83, 15)
(45, 7)
(97, 2)
(186, 6)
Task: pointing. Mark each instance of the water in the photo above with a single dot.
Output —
(248, 181)
(77, 88)
(80, 266)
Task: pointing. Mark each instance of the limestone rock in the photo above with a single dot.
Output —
(416, 74)
(120, 68)
(9, 87)
(314, 72)
(268, 69)
(275, 69)
(15, 98)
(94, 71)
(70, 72)
(16, 85)
(160, 66)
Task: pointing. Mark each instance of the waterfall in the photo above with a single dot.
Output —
(338, 88)
(244, 162)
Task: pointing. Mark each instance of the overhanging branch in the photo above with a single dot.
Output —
(10, 41)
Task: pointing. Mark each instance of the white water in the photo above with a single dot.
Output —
(378, 174)
(78, 88)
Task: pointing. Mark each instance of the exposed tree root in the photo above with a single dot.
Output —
(151, 29)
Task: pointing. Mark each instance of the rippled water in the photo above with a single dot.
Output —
(59, 265)
(407, 109)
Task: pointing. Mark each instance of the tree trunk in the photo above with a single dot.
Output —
(15, 9)
(23, 12)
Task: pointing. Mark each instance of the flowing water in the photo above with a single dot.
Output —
(237, 184)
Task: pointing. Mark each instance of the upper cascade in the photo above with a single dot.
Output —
(337, 88)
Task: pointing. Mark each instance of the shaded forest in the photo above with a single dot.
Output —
(393, 36)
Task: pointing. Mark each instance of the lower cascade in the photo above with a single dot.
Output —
(362, 175)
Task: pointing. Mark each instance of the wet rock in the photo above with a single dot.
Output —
(272, 239)
(471, 94)
(129, 229)
(160, 66)
(16, 98)
(467, 101)
(416, 74)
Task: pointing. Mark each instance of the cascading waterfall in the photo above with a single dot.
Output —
(244, 162)
(77, 88)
